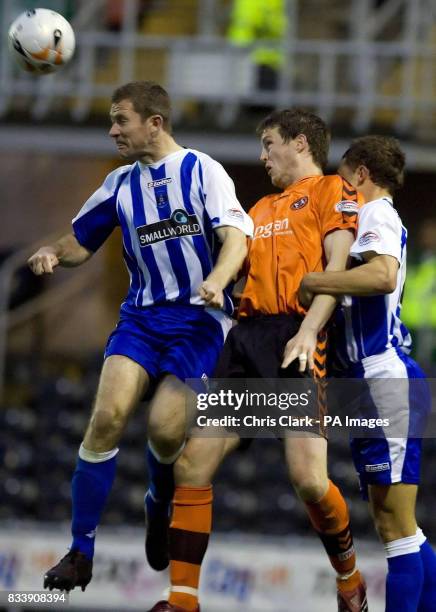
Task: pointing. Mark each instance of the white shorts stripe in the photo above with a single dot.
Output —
(392, 402)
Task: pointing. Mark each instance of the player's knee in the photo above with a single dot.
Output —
(192, 470)
(106, 423)
(391, 526)
(166, 441)
(385, 533)
(309, 488)
(388, 530)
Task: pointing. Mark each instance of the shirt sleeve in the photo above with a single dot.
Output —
(98, 216)
(379, 231)
(221, 203)
(338, 204)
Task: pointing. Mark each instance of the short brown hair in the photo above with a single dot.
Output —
(383, 157)
(292, 122)
(148, 98)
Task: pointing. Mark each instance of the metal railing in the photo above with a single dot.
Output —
(50, 297)
(362, 75)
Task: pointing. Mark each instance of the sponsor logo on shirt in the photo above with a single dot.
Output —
(301, 203)
(277, 227)
(368, 237)
(234, 213)
(178, 225)
(160, 182)
(377, 467)
(347, 207)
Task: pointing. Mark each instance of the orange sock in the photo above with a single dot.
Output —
(351, 582)
(329, 516)
(189, 536)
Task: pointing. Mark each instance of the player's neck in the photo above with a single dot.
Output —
(161, 148)
(374, 192)
(303, 171)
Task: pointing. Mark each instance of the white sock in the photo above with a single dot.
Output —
(403, 546)
(93, 457)
(420, 536)
(165, 460)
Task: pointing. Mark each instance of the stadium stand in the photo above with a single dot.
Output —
(42, 424)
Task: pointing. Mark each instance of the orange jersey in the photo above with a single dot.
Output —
(289, 230)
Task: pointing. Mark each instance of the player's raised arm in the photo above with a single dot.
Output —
(66, 252)
(376, 277)
(229, 262)
(376, 250)
(232, 226)
(337, 246)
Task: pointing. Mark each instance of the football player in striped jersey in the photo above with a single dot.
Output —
(376, 345)
(184, 239)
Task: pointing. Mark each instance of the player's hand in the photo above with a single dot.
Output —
(212, 294)
(43, 261)
(305, 296)
(302, 347)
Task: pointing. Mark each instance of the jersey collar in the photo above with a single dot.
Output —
(292, 186)
(163, 160)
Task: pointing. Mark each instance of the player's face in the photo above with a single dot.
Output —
(133, 135)
(279, 158)
(350, 175)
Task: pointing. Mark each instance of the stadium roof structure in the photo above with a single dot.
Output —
(364, 67)
(226, 147)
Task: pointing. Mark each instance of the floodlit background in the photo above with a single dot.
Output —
(366, 66)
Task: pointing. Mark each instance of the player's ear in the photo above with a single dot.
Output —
(156, 121)
(362, 174)
(301, 143)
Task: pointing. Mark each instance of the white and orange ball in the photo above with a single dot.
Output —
(41, 41)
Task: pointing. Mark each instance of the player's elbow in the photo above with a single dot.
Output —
(86, 254)
(391, 284)
(386, 282)
(383, 273)
(82, 255)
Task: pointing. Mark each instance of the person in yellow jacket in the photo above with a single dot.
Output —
(257, 21)
(419, 302)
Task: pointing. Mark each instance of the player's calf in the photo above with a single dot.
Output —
(157, 523)
(157, 503)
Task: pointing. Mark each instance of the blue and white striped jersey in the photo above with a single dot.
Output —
(168, 212)
(372, 324)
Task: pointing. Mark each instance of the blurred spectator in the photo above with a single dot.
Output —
(419, 303)
(254, 21)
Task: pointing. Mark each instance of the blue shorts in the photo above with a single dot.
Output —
(182, 340)
(387, 460)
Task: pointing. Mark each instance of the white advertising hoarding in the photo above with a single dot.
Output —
(250, 574)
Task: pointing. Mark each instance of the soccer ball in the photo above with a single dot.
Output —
(41, 41)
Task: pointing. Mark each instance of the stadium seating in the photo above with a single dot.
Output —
(40, 432)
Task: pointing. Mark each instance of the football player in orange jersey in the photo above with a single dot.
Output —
(309, 226)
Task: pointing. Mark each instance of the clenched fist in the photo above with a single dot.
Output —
(43, 261)
(212, 294)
